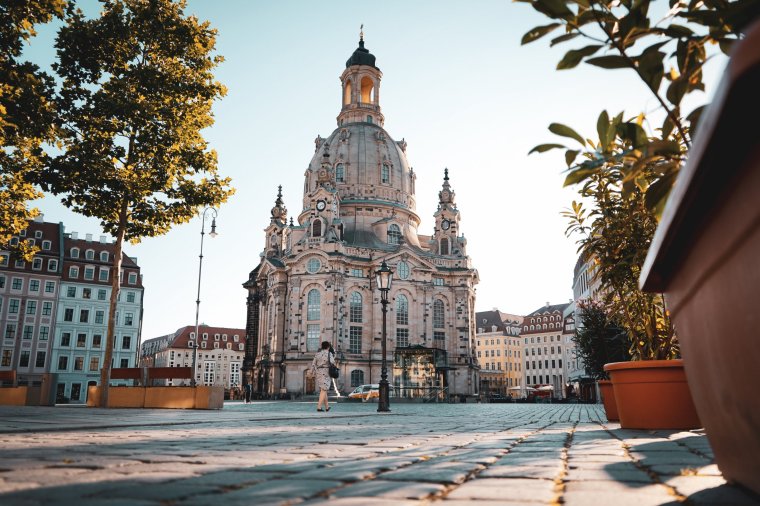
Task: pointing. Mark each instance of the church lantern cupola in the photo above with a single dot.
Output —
(361, 88)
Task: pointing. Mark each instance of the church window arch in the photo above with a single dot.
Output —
(385, 174)
(367, 90)
(444, 250)
(347, 92)
(394, 234)
(316, 228)
(355, 307)
(312, 305)
(438, 314)
(402, 310)
(340, 173)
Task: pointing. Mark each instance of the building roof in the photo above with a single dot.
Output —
(550, 309)
(361, 56)
(182, 335)
(488, 319)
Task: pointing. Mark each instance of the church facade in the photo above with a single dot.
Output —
(315, 281)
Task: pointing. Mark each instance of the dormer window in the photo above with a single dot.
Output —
(89, 254)
(104, 256)
(394, 234)
(38, 234)
(74, 252)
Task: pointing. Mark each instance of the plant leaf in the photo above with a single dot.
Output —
(563, 38)
(537, 32)
(570, 156)
(566, 131)
(573, 57)
(545, 147)
(609, 62)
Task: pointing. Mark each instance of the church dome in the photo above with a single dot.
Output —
(364, 164)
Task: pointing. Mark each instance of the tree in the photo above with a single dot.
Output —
(137, 90)
(598, 340)
(26, 117)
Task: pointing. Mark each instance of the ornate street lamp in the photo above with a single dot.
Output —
(200, 270)
(384, 277)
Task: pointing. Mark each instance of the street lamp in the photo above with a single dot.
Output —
(200, 270)
(384, 277)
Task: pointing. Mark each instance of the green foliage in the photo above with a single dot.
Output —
(26, 117)
(598, 340)
(137, 91)
(627, 173)
(667, 56)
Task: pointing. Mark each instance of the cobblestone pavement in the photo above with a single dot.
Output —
(287, 453)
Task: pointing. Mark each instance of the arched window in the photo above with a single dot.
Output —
(74, 252)
(347, 93)
(394, 234)
(104, 256)
(438, 314)
(316, 228)
(402, 310)
(385, 174)
(89, 254)
(312, 305)
(357, 377)
(368, 88)
(340, 173)
(355, 308)
(444, 246)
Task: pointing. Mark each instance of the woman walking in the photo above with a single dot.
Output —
(321, 366)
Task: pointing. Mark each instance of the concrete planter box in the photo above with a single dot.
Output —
(201, 397)
(704, 257)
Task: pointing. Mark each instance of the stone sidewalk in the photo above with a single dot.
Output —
(287, 453)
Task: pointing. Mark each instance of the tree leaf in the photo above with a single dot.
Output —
(578, 175)
(553, 8)
(602, 126)
(566, 131)
(570, 156)
(541, 148)
(573, 57)
(537, 32)
(609, 62)
(563, 38)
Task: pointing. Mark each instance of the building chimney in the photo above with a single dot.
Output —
(75, 235)
(39, 218)
(548, 303)
(102, 239)
(88, 237)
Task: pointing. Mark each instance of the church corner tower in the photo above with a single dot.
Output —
(315, 278)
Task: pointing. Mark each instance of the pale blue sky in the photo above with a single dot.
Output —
(456, 85)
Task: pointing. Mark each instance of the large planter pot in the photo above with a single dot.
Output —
(653, 394)
(608, 400)
(704, 257)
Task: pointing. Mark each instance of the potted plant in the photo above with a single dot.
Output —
(598, 341)
(625, 173)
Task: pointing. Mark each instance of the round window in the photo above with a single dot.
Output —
(403, 270)
(313, 265)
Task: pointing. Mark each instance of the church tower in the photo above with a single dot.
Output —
(315, 278)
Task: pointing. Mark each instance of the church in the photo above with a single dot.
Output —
(316, 278)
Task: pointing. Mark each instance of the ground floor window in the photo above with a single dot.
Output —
(357, 377)
(208, 373)
(76, 390)
(402, 338)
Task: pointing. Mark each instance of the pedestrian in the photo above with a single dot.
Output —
(247, 387)
(321, 367)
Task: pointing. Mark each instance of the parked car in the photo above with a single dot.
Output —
(365, 392)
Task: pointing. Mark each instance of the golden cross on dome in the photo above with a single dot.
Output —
(361, 32)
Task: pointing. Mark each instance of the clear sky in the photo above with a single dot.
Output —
(457, 86)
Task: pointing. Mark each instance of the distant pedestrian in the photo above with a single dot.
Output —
(247, 393)
(321, 367)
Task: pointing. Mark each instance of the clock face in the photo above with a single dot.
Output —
(321, 205)
(445, 224)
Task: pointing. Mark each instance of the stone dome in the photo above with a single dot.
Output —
(364, 164)
(361, 56)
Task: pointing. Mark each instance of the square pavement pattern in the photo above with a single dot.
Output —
(283, 453)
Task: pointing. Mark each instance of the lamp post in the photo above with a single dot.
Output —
(384, 277)
(200, 270)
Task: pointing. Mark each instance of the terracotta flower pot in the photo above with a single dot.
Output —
(608, 399)
(653, 394)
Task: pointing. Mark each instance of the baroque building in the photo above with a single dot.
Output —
(546, 333)
(499, 352)
(315, 281)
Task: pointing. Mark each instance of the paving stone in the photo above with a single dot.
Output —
(544, 472)
(510, 489)
(435, 472)
(605, 493)
(390, 489)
